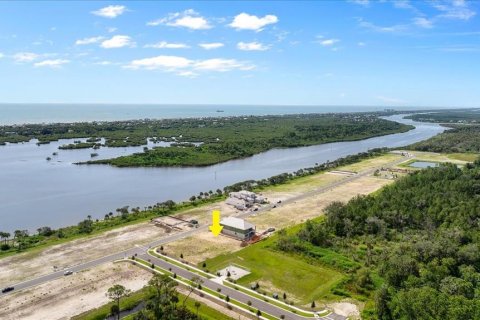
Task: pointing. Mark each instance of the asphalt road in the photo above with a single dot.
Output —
(259, 304)
(140, 250)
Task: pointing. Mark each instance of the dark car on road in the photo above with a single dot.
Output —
(7, 289)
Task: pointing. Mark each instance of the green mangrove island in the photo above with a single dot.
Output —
(206, 141)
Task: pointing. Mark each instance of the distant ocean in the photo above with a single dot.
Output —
(48, 113)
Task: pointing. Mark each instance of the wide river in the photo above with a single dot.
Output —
(35, 192)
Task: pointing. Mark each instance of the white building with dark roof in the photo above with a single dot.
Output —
(237, 228)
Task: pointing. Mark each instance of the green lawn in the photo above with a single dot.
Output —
(294, 275)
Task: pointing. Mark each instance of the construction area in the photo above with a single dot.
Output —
(243, 200)
(172, 223)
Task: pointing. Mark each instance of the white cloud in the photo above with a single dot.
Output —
(187, 67)
(104, 63)
(160, 62)
(167, 45)
(25, 56)
(423, 22)
(110, 11)
(111, 29)
(187, 19)
(222, 65)
(328, 42)
(1, 55)
(90, 40)
(364, 3)
(361, 44)
(252, 46)
(52, 63)
(118, 41)
(245, 21)
(188, 74)
(455, 9)
(384, 29)
(212, 45)
(402, 4)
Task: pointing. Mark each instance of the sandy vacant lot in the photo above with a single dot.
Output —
(204, 245)
(72, 295)
(300, 211)
(31, 264)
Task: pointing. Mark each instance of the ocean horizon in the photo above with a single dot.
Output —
(27, 113)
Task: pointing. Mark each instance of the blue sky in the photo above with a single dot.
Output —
(242, 52)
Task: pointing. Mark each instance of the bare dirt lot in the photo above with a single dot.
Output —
(72, 295)
(308, 208)
(31, 264)
(201, 246)
(204, 245)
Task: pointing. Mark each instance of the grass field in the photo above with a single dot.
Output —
(371, 163)
(277, 272)
(459, 158)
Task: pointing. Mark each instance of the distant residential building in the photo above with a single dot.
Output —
(237, 228)
(247, 196)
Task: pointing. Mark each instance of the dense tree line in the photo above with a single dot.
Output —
(420, 236)
(461, 138)
(448, 116)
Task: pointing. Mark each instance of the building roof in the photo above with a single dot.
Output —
(237, 223)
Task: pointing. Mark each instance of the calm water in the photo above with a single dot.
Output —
(47, 113)
(35, 192)
(423, 164)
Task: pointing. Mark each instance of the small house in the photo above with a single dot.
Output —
(237, 228)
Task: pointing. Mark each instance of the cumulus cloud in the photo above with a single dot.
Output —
(252, 46)
(110, 12)
(90, 40)
(187, 19)
(118, 41)
(188, 67)
(245, 21)
(52, 63)
(211, 46)
(167, 45)
(25, 57)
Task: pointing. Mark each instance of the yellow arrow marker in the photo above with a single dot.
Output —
(216, 227)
